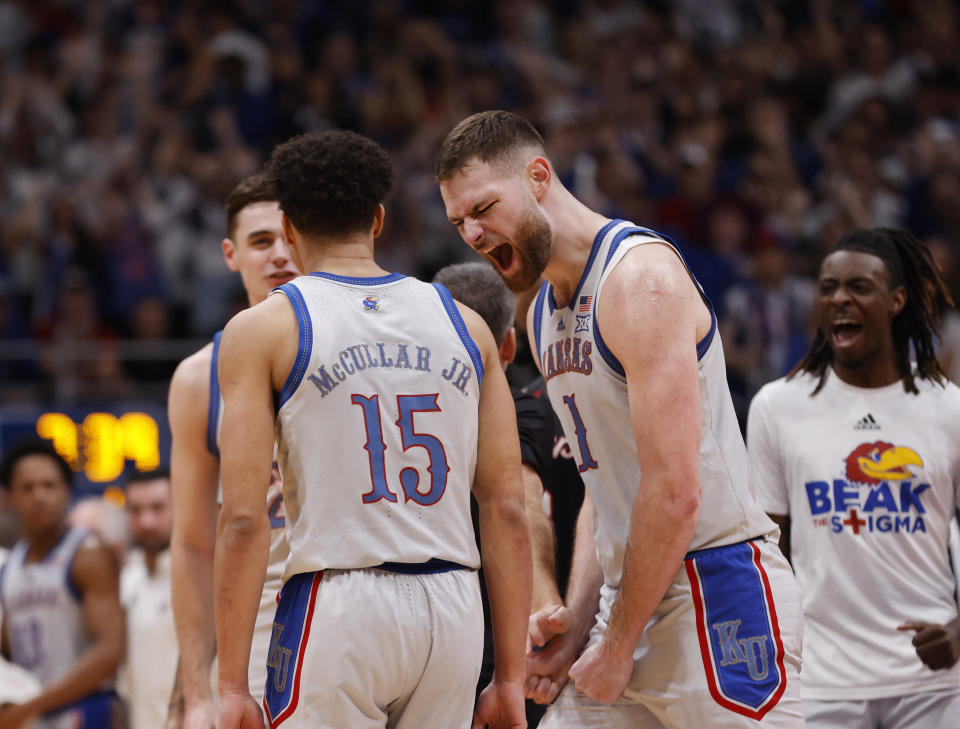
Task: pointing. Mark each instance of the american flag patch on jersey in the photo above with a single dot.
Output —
(584, 306)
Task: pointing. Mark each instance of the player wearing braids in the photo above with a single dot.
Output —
(388, 402)
(855, 454)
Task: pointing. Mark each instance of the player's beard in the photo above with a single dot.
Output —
(533, 244)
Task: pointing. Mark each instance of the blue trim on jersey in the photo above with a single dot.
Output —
(454, 313)
(543, 294)
(305, 345)
(360, 280)
(430, 567)
(594, 250)
(608, 356)
(213, 409)
(702, 346)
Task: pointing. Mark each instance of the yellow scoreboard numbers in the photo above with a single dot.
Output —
(101, 445)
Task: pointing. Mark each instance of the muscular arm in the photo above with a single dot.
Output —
(499, 488)
(96, 576)
(251, 344)
(655, 340)
(194, 472)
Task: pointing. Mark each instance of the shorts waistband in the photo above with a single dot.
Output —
(707, 550)
(431, 566)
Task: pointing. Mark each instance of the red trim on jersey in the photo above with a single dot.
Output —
(707, 655)
(295, 696)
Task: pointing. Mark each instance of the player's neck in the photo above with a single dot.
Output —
(575, 226)
(352, 258)
(872, 374)
(41, 543)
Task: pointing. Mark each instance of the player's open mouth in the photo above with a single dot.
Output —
(503, 255)
(846, 332)
(282, 277)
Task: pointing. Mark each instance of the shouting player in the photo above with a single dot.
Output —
(856, 455)
(699, 620)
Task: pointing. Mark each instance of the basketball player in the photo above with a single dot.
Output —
(388, 402)
(698, 621)
(254, 248)
(151, 660)
(62, 619)
(855, 455)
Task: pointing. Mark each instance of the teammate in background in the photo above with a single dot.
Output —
(151, 660)
(375, 384)
(478, 286)
(687, 633)
(62, 619)
(254, 248)
(855, 455)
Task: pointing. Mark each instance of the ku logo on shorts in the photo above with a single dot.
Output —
(737, 628)
(291, 630)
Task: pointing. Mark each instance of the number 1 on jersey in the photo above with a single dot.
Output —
(375, 446)
(586, 460)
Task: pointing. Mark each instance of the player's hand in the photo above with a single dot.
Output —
(500, 706)
(547, 668)
(16, 716)
(601, 673)
(938, 646)
(547, 623)
(239, 711)
(200, 714)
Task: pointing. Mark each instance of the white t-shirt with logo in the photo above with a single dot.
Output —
(870, 479)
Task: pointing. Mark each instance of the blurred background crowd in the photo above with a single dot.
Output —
(753, 132)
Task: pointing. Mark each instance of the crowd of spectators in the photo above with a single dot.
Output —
(753, 132)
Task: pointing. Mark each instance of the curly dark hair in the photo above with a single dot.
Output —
(330, 183)
(490, 136)
(32, 446)
(250, 190)
(910, 264)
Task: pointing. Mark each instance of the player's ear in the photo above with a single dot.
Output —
(898, 300)
(378, 215)
(229, 249)
(508, 347)
(539, 176)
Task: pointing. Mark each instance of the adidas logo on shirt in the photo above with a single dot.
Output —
(867, 422)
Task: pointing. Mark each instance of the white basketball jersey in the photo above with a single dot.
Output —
(377, 425)
(588, 391)
(43, 609)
